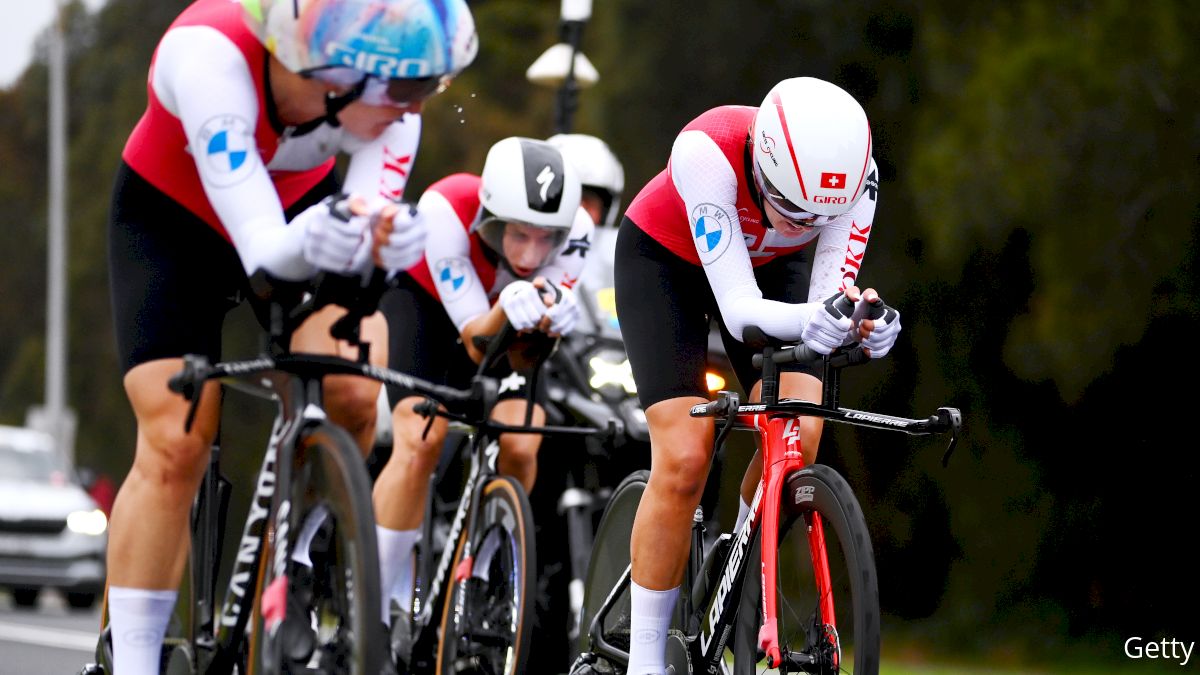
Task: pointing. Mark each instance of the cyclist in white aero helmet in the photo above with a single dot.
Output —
(761, 218)
(229, 175)
(600, 172)
(812, 149)
(496, 241)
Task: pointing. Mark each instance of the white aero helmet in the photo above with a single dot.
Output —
(812, 149)
(401, 51)
(526, 181)
(599, 170)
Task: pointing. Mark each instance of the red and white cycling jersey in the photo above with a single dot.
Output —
(702, 207)
(461, 271)
(207, 140)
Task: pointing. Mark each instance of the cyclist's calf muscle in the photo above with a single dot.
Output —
(681, 449)
(349, 401)
(518, 452)
(145, 548)
(403, 485)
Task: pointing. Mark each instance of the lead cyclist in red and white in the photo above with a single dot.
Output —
(229, 173)
(762, 217)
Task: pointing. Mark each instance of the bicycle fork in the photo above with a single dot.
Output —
(782, 457)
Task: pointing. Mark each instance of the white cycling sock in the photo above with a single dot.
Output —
(743, 511)
(312, 522)
(138, 619)
(650, 617)
(395, 567)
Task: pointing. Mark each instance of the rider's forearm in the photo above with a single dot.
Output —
(485, 324)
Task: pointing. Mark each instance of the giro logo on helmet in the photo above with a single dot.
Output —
(379, 65)
(828, 199)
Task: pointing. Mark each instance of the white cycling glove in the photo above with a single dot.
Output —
(522, 303)
(564, 314)
(884, 334)
(828, 328)
(406, 244)
(334, 240)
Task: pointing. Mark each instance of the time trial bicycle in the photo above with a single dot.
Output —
(796, 584)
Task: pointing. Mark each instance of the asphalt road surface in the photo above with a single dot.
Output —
(52, 639)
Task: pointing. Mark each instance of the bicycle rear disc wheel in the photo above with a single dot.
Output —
(811, 642)
(331, 623)
(610, 559)
(488, 615)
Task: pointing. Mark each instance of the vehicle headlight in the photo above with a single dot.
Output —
(610, 367)
(87, 522)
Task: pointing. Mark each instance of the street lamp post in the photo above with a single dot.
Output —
(54, 416)
(564, 66)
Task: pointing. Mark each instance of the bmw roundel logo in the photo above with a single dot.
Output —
(452, 276)
(226, 145)
(711, 231)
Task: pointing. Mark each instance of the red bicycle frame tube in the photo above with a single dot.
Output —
(781, 457)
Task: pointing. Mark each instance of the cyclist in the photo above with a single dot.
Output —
(761, 217)
(600, 172)
(496, 243)
(222, 179)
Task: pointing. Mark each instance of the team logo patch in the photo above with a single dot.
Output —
(226, 144)
(452, 277)
(711, 230)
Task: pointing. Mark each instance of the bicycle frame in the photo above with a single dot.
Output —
(708, 628)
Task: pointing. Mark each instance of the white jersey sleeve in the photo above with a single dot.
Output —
(708, 186)
(380, 168)
(202, 78)
(565, 265)
(448, 255)
(843, 243)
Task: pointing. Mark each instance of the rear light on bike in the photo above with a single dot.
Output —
(714, 381)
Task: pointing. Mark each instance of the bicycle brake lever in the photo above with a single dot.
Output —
(195, 405)
(426, 408)
(953, 418)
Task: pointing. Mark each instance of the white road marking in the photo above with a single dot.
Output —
(48, 637)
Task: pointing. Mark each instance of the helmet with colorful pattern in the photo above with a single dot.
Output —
(408, 48)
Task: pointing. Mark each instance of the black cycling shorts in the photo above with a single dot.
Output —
(173, 277)
(665, 306)
(423, 342)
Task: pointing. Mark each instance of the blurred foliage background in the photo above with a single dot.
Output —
(1037, 229)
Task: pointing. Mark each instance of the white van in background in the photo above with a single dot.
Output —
(52, 534)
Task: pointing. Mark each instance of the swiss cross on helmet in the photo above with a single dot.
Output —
(812, 149)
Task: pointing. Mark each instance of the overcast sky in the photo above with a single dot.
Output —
(22, 21)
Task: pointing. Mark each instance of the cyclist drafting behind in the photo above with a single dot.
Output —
(751, 199)
(223, 177)
(494, 241)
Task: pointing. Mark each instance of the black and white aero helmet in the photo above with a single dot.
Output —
(526, 181)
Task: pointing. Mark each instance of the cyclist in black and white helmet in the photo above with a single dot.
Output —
(495, 244)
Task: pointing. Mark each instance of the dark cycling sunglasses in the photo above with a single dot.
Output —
(783, 205)
(379, 91)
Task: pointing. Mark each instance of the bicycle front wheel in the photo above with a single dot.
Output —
(323, 617)
(610, 559)
(489, 607)
(821, 526)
